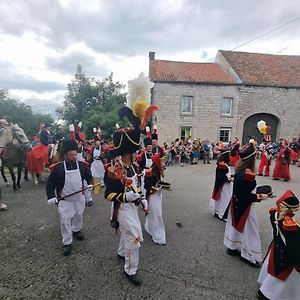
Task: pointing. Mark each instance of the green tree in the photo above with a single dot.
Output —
(20, 113)
(94, 102)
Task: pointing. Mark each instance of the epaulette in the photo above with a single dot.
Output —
(272, 209)
(116, 172)
(222, 165)
(52, 167)
(289, 224)
(249, 175)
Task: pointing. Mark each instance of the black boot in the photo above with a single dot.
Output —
(233, 252)
(79, 236)
(67, 249)
(120, 257)
(261, 296)
(254, 265)
(135, 279)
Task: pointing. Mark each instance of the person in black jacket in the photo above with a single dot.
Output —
(45, 135)
(280, 274)
(66, 178)
(222, 190)
(242, 228)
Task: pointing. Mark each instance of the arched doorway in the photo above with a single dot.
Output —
(250, 126)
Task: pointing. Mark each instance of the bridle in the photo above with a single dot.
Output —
(14, 137)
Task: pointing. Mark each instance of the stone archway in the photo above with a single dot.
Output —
(250, 126)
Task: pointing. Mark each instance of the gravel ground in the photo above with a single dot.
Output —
(193, 264)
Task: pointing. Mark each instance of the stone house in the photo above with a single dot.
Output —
(226, 98)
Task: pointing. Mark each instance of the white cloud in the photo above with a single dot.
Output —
(42, 41)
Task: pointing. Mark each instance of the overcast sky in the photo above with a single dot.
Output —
(42, 41)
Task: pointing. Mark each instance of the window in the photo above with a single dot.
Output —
(185, 132)
(225, 134)
(226, 108)
(187, 104)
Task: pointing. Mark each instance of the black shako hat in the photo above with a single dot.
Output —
(69, 145)
(147, 141)
(126, 140)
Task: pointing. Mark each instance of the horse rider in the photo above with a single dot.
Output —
(3, 123)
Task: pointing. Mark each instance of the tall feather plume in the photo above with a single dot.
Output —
(138, 97)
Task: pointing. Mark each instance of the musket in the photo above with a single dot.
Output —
(77, 192)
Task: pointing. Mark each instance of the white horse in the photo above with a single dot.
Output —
(12, 135)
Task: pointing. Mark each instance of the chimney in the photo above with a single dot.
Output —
(151, 55)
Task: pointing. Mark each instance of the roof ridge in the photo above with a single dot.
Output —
(259, 53)
(185, 62)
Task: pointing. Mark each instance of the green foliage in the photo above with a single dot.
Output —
(94, 102)
(20, 113)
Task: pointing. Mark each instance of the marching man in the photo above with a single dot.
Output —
(123, 188)
(155, 147)
(97, 167)
(121, 180)
(80, 138)
(64, 188)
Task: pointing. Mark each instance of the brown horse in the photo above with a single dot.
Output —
(13, 156)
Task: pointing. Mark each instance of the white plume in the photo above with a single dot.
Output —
(139, 88)
(261, 124)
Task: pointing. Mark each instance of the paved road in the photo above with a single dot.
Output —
(193, 264)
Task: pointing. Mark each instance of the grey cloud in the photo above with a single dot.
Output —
(135, 27)
(45, 106)
(11, 80)
(68, 63)
(20, 82)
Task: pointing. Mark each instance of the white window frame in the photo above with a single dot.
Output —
(231, 105)
(229, 135)
(181, 105)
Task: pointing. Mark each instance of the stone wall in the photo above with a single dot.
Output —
(206, 118)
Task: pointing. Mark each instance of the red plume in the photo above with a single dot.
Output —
(148, 113)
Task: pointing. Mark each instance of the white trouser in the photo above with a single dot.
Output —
(131, 236)
(131, 254)
(70, 225)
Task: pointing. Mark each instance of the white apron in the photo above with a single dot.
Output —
(248, 242)
(154, 223)
(219, 207)
(131, 233)
(80, 155)
(74, 204)
(276, 289)
(97, 168)
(148, 165)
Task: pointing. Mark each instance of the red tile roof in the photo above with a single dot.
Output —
(174, 71)
(265, 69)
